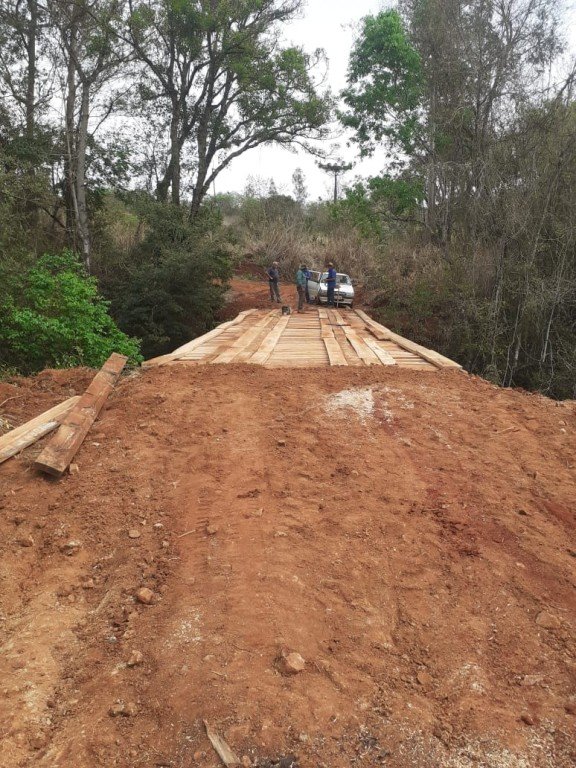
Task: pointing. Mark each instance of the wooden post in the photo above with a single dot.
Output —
(57, 455)
(21, 437)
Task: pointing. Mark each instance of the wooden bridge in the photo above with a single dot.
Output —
(316, 337)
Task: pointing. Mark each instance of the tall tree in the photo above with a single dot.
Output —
(228, 84)
(441, 83)
(88, 57)
(385, 86)
(466, 91)
(20, 29)
(299, 186)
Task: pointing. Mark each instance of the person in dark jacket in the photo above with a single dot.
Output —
(273, 280)
(331, 284)
(301, 286)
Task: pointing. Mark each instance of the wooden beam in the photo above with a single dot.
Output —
(161, 360)
(336, 318)
(266, 348)
(363, 351)
(385, 334)
(243, 341)
(21, 437)
(57, 455)
(382, 355)
(198, 341)
(333, 348)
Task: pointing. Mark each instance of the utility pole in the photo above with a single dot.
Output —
(336, 169)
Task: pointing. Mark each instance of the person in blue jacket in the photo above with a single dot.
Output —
(331, 283)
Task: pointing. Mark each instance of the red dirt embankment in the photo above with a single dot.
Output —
(254, 293)
(248, 294)
(411, 535)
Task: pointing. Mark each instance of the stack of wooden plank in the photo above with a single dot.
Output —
(72, 419)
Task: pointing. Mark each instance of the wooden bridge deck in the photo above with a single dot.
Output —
(317, 337)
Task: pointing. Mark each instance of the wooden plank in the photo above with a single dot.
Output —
(244, 341)
(383, 333)
(245, 355)
(335, 353)
(21, 437)
(382, 355)
(360, 347)
(266, 348)
(198, 341)
(57, 455)
(190, 345)
(154, 361)
(336, 318)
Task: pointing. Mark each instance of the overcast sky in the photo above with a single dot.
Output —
(331, 25)
(327, 24)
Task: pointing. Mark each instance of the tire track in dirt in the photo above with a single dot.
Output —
(383, 541)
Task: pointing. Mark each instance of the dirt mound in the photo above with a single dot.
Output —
(22, 399)
(349, 566)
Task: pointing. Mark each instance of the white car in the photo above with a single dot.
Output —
(318, 288)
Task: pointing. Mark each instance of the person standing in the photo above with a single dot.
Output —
(301, 286)
(273, 280)
(308, 276)
(331, 284)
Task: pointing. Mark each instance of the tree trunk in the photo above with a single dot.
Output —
(198, 193)
(430, 216)
(31, 69)
(200, 187)
(82, 224)
(171, 178)
(70, 139)
(30, 100)
(175, 153)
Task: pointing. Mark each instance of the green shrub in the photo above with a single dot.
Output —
(171, 285)
(53, 316)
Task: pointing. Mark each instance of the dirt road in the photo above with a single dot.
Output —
(254, 293)
(410, 535)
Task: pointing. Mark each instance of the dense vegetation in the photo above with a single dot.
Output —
(52, 315)
(115, 119)
(466, 241)
(473, 100)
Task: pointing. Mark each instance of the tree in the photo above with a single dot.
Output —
(385, 88)
(88, 56)
(228, 85)
(169, 287)
(299, 186)
(336, 169)
(25, 91)
(441, 83)
(464, 92)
